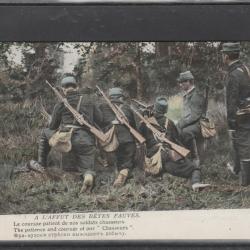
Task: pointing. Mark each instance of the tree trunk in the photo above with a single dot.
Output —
(139, 82)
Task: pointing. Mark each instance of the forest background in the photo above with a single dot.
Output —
(144, 70)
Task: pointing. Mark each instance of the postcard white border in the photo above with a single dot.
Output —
(230, 224)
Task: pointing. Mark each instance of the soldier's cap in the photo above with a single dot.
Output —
(161, 104)
(115, 92)
(185, 76)
(230, 47)
(68, 80)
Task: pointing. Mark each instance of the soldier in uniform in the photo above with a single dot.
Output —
(238, 115)
(194, 108)
(83, 141)
(183, 167)
(124, 155)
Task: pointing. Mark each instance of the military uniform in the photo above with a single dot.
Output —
(123, 157)
(238, 98)
(194, 108)
(83, 141)
(182, 168)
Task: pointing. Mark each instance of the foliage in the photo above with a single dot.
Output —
(144, 70)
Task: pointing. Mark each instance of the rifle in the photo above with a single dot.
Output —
(79, 118)
(122, 118)
(43, 111)
(206, 96)
(143, 105)
(161, 136)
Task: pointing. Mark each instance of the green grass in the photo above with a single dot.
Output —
(30, 193)
(33, 193)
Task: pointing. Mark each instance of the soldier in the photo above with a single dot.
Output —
(183, 167)
(238, 115)
(194, 108)
(125, 152)
(83, 141)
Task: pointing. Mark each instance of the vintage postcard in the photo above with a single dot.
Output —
(124, 140)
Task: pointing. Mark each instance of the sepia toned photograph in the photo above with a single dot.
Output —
(124, 126)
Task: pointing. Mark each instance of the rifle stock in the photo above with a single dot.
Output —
(122, 118)
(162, 138)
(79, 118)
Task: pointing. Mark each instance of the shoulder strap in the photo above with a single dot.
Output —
(78, 108)
(244, 69)
(166, 123)
(79, 104)
(247, 70)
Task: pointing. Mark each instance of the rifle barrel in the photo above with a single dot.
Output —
(122, 118)
(161, 137)
(79, 118)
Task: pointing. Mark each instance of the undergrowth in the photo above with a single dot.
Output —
(59, 192)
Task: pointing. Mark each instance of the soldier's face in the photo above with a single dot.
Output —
(184, 85)
(225, 58)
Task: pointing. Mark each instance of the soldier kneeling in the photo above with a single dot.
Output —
(159, 155)
(124, 151)
(82, 141)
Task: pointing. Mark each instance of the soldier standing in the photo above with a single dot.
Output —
(238, 114)
(182, 167)
(194, 109)
(124, 154)
(83, 141)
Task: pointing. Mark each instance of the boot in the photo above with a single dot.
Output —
(121, 178)
(36, 166)
(196, 181)
(88, 183)
(235, 165)
(195, 154)
(196, 176)
(232, 169)
(43, 150)
(245, 173)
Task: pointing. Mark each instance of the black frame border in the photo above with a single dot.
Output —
(125, 22)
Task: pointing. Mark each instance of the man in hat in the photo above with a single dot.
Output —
(194, 108)
(182, 167)
(83, 141)
(238, 114)
(123, 156)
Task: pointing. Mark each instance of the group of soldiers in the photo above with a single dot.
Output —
(129, 128)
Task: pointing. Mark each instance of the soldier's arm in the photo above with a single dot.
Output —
(232, 94)
(132, 119)
(56, 117)
(129, 115)
(98, 115)
(172, 132)
(197, 108)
